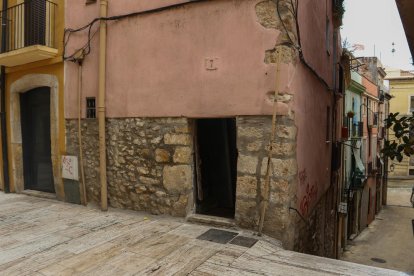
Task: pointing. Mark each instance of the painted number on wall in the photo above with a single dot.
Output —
(70, 167)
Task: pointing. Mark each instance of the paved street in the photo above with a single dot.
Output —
(47, 237)
(389, 238)
(399, 197)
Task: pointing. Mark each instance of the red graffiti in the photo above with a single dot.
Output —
(67, 165)
(303, 177)
(310, 196)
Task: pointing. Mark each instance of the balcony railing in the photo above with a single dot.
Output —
(27, 24)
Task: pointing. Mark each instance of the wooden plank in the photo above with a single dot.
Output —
(158, 246)
(324, 264)
(81, 262)
(216, 269)
(125, 263)
(265, 267)
(30, 248)
(181, 261)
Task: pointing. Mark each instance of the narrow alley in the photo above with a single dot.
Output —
(387, 242)
(47, 237)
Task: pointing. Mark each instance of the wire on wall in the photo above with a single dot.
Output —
(294, 8)
(86, 48)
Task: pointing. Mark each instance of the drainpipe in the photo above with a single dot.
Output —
(6, 179)
(101, 105)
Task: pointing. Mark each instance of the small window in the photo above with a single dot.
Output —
(411, 171)
(91, 108)
(90, 2)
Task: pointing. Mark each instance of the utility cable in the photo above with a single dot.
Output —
(86, 48)
(298, 47)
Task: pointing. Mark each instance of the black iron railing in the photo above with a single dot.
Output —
(29, 23)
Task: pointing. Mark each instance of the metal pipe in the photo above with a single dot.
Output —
(6, 179)
(82, 182)
(101, 105)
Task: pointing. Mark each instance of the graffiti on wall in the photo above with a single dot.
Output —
(311, 192)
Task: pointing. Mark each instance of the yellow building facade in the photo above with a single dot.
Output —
(32, 56)
(401, 85)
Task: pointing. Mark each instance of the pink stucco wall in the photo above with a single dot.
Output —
(311, 102)
(156, 63)
(156, 67)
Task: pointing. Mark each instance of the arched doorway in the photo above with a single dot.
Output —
(28, 84)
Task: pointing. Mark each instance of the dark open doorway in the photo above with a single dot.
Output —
(216, 163)
(35, 122)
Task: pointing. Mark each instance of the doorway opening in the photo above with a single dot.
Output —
(216, 166)
(35, 122)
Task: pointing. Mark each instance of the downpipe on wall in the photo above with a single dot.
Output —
(101, 105)
(82, 182)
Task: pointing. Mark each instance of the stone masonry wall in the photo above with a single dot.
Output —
(149, 163)
(316, 236)
(253, 139)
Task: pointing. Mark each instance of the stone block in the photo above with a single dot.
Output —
(177, 178)
(156, 140)
(279, 197)
(280, 184)
(248, 131)
(182, 155)
(149, 180)
(246, 186)
(247, 164)
(284, 149)
(180, 206)
(177, 139)
(182, 129)
(162, 155)
(280, 168)
(288, 132)
(254, 146)
(267, 15)
(246, 212)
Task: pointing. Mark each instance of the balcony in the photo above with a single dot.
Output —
(29, 30)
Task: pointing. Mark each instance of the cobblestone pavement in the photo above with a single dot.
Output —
(389, 238)
(47, 237)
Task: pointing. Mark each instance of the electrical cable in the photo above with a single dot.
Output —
(87, 47)
(298, 47)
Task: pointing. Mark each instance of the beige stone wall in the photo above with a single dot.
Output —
(149, 165)
(253, 137)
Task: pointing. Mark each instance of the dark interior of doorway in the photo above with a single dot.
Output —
(35, 123)
(216, 166)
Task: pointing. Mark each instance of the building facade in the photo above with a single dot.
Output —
(364, 181)
(34, 130)
(195, 109)
(401, 85)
